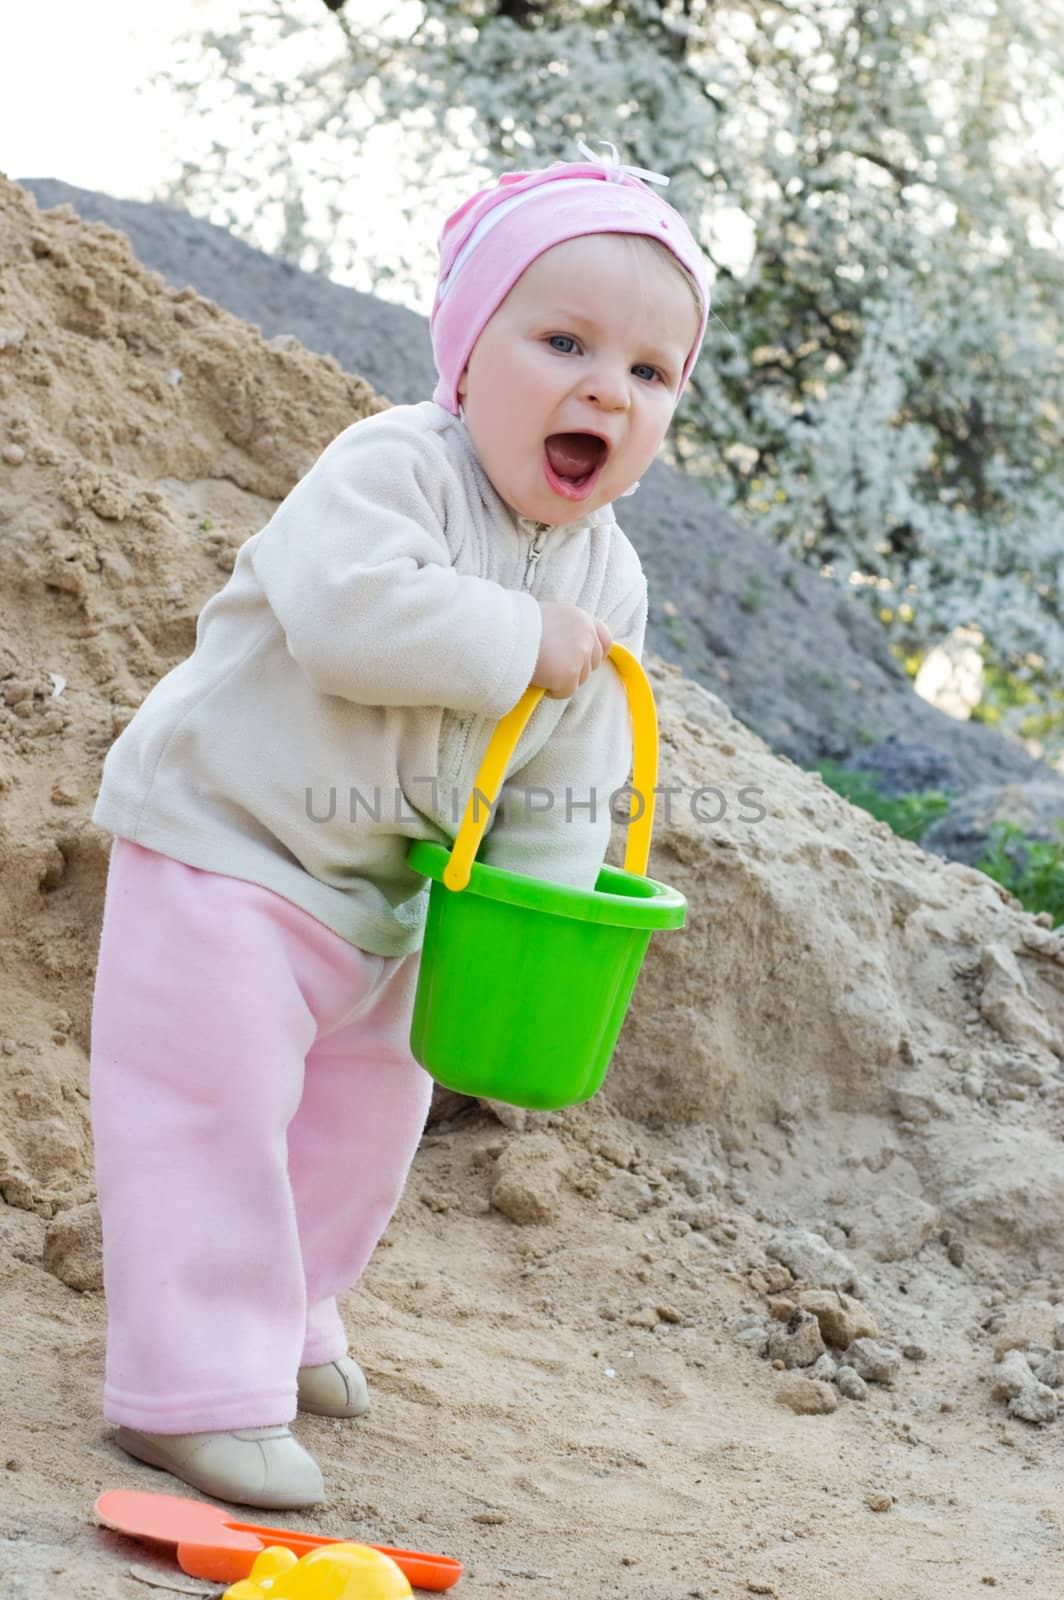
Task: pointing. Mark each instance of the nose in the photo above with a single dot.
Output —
(607, 385)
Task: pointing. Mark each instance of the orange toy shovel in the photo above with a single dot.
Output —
(212, 1544)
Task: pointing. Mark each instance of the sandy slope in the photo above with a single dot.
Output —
(564, 1331)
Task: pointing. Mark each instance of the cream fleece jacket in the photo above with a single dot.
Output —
(347, 678)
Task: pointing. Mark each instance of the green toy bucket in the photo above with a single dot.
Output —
(523, 985)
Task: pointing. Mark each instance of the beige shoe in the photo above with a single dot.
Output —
(251, 1466)
(337, 1389)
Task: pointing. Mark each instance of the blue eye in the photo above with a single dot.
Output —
(562, 338)
(643, 366)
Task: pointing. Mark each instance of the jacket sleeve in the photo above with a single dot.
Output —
(553, 819)
(356, 568)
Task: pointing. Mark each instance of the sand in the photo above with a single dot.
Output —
(589, 1334)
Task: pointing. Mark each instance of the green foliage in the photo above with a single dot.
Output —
(1027, 705)
(908, 815)
(1031, 869)
(754, 594)
(674, 629)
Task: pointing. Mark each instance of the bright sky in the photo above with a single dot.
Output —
(77, 103)
(81, 104)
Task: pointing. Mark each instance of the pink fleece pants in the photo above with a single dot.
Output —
(255, 1109)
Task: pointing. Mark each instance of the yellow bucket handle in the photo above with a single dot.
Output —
(489, 779)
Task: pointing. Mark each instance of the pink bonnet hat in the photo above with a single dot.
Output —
(489, 241)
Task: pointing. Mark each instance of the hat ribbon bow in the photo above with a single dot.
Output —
(614, 167)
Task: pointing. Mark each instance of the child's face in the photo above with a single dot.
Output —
(591, 339)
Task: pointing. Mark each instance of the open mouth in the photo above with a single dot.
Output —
(572, 463)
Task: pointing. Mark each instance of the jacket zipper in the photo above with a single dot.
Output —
(535, 550)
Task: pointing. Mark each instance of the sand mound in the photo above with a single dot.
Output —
(686, 1340)
(145, 434)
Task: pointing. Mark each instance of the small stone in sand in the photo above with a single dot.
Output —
(851, 1384)
(797, 1342)
(809, 1397)
(875, 1360)
(527, 1179)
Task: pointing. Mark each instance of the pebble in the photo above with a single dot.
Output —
(10, 1046)
(809, 1397)
(842, 1319)
(73, 1247)
(825, 1368)
(811, 1258)
(874, 1359)
(879, 1501)
(1049, 1368)
(771, 1279)
(914, 1352)
(14, 455)
(955, 1253)
(1027, 1325)
(797, 1342)
(1028, 1399)
(527, 1179)
(850, 1384)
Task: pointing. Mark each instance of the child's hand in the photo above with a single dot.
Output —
(574, 643)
